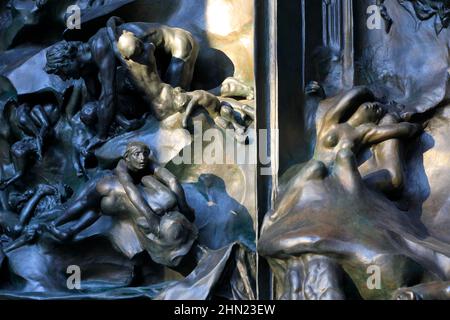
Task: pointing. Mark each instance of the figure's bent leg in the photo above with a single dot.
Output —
(21, 151)
(169, 179)
(85, 208)
(346, 171)
(181, 68)
(78, 162)
(385, 172)
(87, 219)
(347, 104)
(30, 206)
(177, 74)
(227, 113)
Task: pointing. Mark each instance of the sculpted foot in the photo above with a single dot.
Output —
(232, 87)
(57, 233)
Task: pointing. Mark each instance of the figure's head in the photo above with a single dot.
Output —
(129, 45)
(88, 114)
(17, 200)
(63, 60)
(369, 112)
(137, 155)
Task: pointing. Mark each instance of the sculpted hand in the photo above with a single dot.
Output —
(314, 88)
(45, 189)
(149, 223)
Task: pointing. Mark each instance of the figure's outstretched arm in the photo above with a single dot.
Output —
(377, 134)
(348, 104)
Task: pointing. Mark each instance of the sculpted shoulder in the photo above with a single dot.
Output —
(100, 46)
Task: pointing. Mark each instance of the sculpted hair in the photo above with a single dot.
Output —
(59, 55)
(134, 146)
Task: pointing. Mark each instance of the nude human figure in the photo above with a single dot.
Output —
(222, 112)
(138, 188)
(19, 230)
(165, 100)
(354, 124)
(95, 62)
(83, 130)
(139, 59)
(385, 169)
(32, 126)
(183, 48)
(176, 42)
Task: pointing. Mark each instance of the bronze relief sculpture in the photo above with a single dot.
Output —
(361, 218)
(132, 147)
(88, 174)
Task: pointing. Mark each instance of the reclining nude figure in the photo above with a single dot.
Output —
(137, 189)
(139, 59)
(355, 124)
(316, 235)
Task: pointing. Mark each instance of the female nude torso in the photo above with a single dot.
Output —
(115, 202)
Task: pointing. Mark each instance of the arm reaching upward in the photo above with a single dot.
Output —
(105, 59)
(347, 104)
(111, 29)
